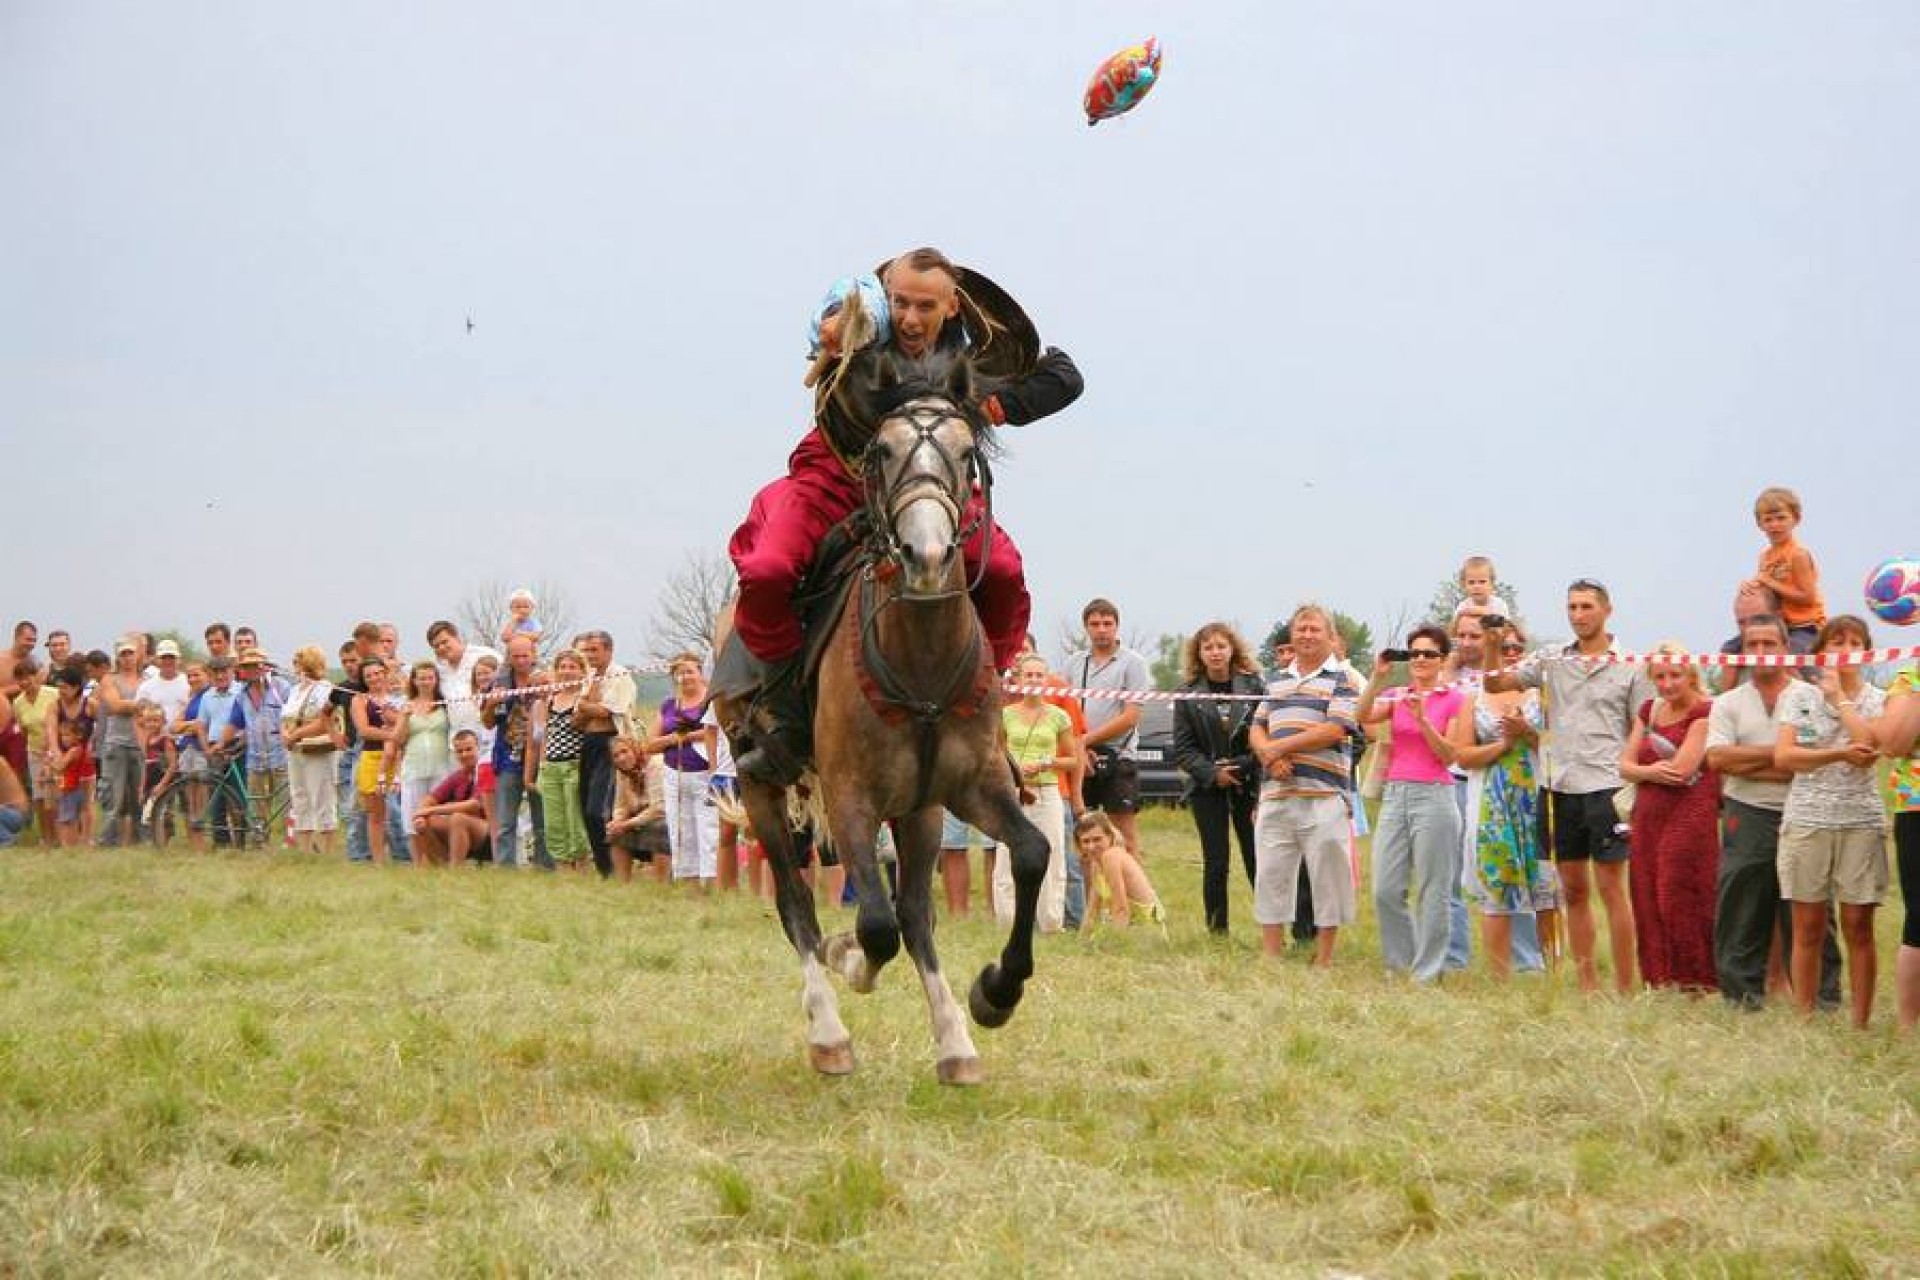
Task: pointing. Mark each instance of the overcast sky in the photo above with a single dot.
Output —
(1360, 289)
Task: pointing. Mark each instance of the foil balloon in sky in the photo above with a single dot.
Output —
(1123, 80)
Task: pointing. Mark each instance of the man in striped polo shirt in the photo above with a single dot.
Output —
(1299, 734)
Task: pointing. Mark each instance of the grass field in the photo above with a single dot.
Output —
(252, 1065)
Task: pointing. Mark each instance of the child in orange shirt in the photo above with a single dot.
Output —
(1787, 568)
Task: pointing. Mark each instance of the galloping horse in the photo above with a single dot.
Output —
(907, 721)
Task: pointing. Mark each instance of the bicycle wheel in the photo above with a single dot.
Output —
(227, 819)
(168, 816)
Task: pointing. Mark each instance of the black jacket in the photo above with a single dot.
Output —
(1206, 730)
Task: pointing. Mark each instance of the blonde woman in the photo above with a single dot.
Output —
(1041, 740)
(555, 767)
(310, 727)
(1676, 827)
(638, 828)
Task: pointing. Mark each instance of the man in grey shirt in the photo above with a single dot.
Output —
(1112, 783)
(1591, 703)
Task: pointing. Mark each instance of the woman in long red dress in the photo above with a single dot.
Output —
(1676, 829)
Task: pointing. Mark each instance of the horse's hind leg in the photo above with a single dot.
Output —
(994, 807)
(829, 1047)
(918, 838)
(876, 930)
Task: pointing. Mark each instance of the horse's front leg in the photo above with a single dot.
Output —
(875, 939)
(829, 1047)
(918, 838)
(995, 808)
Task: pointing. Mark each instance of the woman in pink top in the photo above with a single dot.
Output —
(1417, 843)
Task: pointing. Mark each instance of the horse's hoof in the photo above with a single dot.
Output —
(832, 1059)
(843, 955)
(959, 1071)
(984, 1010)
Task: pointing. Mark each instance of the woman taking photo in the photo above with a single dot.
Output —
(1676, 829)
(555, 764)
(1416, 846)
(1210, 748)
(309, 726)
(686, 748)
(420, 738)
(374, 715)
(1506, 874)
(1041, 741)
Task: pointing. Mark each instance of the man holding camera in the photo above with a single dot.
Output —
(1112, 782)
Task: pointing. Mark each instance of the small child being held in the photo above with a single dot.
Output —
(1476, 578)
(521, 620)
(1115, 879)
(1787, 568)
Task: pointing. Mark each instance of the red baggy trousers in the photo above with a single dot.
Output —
(785, 525)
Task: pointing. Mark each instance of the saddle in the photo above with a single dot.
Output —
(818, 602)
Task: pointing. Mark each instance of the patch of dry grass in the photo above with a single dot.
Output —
(225, 1065)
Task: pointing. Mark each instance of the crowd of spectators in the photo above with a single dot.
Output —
(1733, 836)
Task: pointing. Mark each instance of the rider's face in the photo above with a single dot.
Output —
(920, 302)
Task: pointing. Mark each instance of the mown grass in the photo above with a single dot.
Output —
(222, 1065)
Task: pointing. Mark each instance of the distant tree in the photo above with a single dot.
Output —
(1166, 667)
(1448, 595)
(190, 649)
(483, 613)
(684, 614)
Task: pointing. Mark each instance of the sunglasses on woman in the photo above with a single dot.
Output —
(1432, 655)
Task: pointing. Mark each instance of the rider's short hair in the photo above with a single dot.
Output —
(925, 259)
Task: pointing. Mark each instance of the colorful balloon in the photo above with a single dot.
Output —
(1893, 592)
(1122, 81)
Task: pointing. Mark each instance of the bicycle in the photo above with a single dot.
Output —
(169, 817)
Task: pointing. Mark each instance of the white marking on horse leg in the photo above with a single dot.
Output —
(829, 1046)
(958, 1062)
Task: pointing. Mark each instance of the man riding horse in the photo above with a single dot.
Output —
(920, 304)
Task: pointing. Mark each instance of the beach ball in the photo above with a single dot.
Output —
(1893, 592)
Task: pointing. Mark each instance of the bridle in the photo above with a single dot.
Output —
(951, 485)
(888, 494)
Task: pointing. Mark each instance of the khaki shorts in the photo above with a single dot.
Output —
(1846, 864)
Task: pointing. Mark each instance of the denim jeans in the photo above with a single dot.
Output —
(1076, 908)
(352, 817)
(510, 789)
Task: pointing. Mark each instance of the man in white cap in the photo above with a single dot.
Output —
(167, 687)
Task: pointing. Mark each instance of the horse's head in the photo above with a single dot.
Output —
(921, 467)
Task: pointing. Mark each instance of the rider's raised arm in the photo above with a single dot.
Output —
(1052, 385)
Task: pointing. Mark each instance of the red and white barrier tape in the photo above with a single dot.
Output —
(1856, 658)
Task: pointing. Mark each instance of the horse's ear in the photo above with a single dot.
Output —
(886, 375)
(960, 382)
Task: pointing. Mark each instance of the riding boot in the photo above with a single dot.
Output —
(781, 740)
